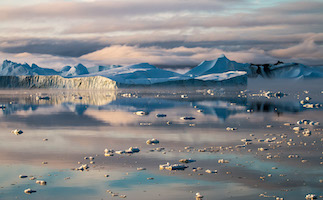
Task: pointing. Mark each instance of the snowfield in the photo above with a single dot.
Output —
(220, 71)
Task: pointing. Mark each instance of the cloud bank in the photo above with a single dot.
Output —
(169, 32)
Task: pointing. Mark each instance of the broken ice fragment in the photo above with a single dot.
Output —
(29, 191)
(152, 141)
(41, 182)
(17, 132)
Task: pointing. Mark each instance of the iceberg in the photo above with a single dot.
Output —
(10, 68)
(220, 65)
(218, 72)
(223, 65)
(78, 77)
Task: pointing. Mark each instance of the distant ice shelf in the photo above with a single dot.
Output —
(221, 71)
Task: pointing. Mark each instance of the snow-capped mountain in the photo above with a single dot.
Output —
(285, 70)
(100, 68)
(277, 70)
(142, 73)
(220, 71)
(9, 68)
(74, 71)
(220, 65)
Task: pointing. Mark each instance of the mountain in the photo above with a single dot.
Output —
(221, 71)
(142, 73)
(220, 65)
(277, 70)
(74, 71)
(100, 68)
(9, 68)
(285, 70)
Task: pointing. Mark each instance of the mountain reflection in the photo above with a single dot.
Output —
(221, 106)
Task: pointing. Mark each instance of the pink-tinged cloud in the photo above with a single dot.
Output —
(121, 54)
(305, 50)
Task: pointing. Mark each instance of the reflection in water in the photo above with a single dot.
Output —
(78, 102)
(79, 124)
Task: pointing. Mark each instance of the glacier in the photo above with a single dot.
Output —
(220, 71)
(278, 70)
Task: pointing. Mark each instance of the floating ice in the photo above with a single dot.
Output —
(187, 118)
(134, 149)
(187, 160)
(172, 167)
(211, 172)
(231, 129)
(41, 182)
(198, 196)
(160, 115)
(141, 113)
(223, 161)
(311, 196)
(42, 97)
(29, 191)
(83, 167)
(17, 132)
(152, 141)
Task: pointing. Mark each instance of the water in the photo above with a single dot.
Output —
(84, 123)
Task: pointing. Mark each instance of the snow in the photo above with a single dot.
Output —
(218, 70)
(75, 71)
(221, 76)
(142, 73)
(220, 65)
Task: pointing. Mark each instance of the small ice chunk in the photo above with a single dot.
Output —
(161, 167)
(223, 161)
(211, 172)
(120, 152)
(29, 191)
(17, 132)
(41, 182)
(134, 149)
(187, 118)
(152, 141)
(83, 167)
(231, 129)
(198, 196)
(160, 115)
(262, 149)
(187, 160)
(311, 196)
(172, 167)
(141, 113)
(108, 151)
(42, 98)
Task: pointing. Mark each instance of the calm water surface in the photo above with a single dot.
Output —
(84, 123)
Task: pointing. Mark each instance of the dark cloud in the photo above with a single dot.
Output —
(70, 48)
(164, 32)
(100, 9)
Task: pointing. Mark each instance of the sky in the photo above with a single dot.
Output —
(167, 33)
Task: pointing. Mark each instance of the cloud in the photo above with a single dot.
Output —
(56, 47)
(122, 54)
(308, 50)
(43, 60)
(169, 32)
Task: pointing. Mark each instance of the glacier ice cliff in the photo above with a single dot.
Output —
(221, 71)
(55, 81)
